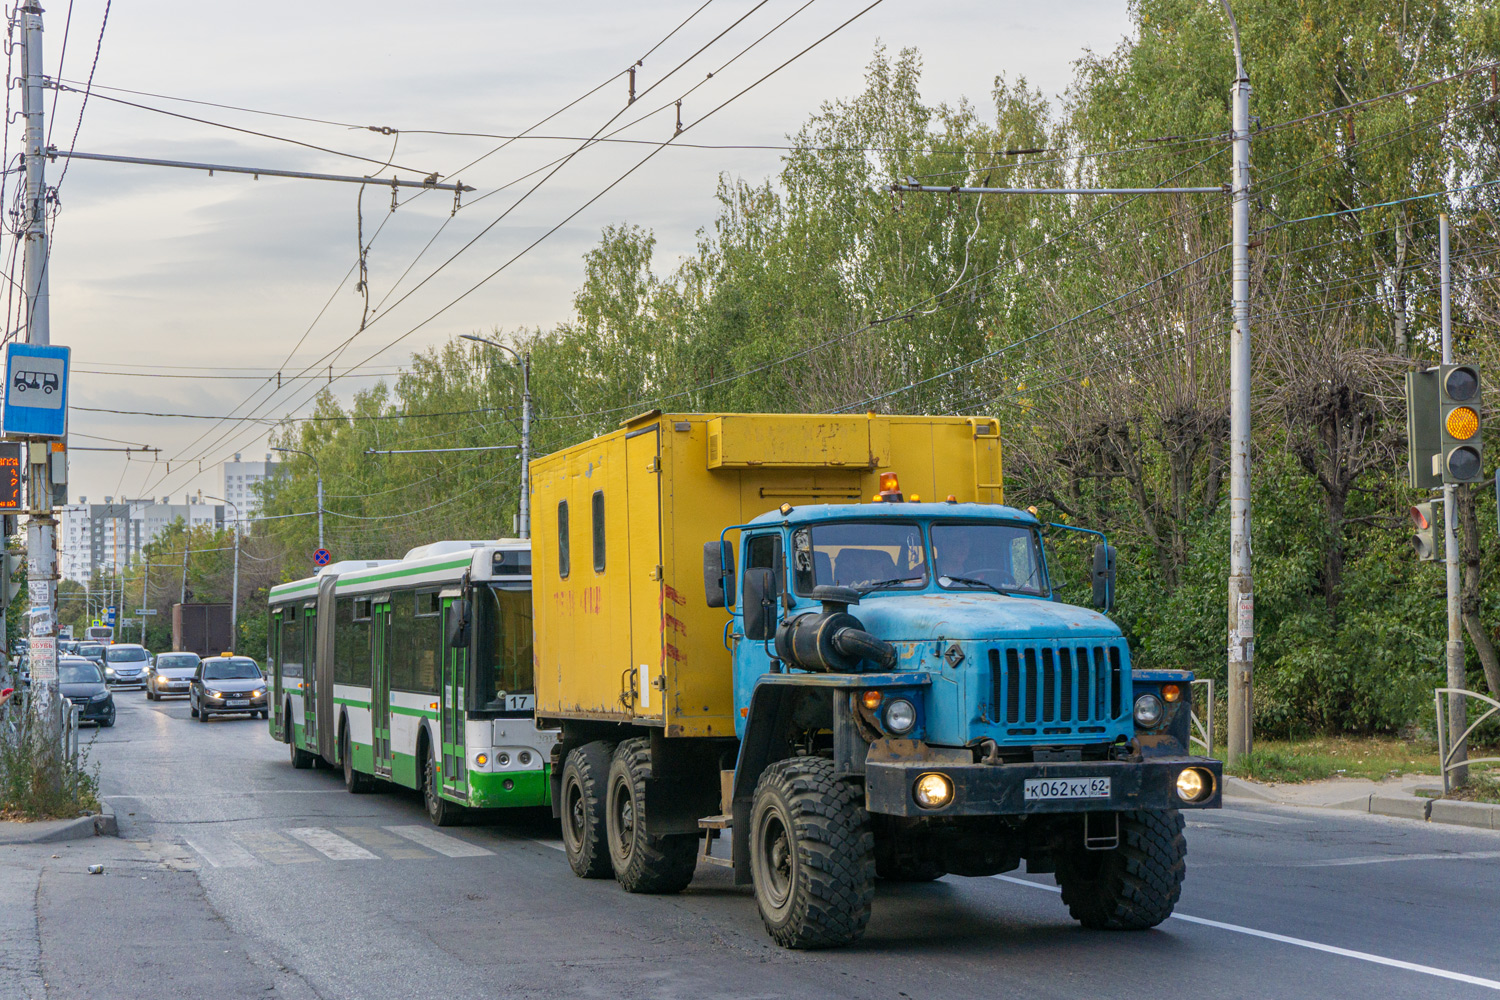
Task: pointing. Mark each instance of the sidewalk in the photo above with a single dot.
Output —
(1391, 797)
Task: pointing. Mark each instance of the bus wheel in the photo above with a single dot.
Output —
(585, 773)
(301, 759)
(357, 782)
(1134, 886)
(642, 862)
(812, 855)
(439, 810)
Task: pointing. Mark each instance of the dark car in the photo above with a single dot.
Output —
(125, 664)
(227, 685)
(170, 673)
(82, 682)
(92, 651)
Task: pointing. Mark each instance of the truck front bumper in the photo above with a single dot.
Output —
(1001, 789)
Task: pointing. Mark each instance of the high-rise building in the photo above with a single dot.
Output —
(239, 483)
(105, 537)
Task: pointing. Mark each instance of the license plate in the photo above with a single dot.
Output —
(242, 703)
(1066, 788)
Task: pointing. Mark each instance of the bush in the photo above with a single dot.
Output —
(35, 785)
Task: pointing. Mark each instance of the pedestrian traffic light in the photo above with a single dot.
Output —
(1423, 436)
(1425, 540)
(1459, 409)
(9, 585)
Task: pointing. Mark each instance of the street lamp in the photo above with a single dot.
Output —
(314, 460)
(524, 360)
(234, 600)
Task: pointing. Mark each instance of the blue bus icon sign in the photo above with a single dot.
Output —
(36, 391)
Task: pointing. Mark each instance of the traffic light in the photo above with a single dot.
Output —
(1459, 408)
(1425, 540)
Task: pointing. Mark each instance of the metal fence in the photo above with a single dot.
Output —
(1447, 746)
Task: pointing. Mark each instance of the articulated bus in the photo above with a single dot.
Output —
(416, 672)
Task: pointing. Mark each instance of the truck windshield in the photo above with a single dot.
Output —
(502, 660)
(875, 555)
(974, 556)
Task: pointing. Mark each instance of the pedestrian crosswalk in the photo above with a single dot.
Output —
(251, 848)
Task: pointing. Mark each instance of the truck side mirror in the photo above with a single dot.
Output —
(759, 605)
(718, 574)
(458, 625)
(1104, 577)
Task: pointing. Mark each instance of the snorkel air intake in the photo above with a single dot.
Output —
(832, 640)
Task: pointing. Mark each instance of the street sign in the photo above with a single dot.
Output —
(322, 557)
(145, 611)
(10, 477)
(109, 616)
(36, 391)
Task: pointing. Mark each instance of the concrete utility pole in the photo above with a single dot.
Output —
(145, 592)
(1241, 665)
(1457, 710)
(523, 519)
(41, 527)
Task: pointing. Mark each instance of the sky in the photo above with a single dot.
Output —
(185, 293)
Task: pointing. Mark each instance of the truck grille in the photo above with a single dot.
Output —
(1057, 690)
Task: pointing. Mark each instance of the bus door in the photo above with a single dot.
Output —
(453, 693)
(279, 726)
(310, 675)
(380, 682)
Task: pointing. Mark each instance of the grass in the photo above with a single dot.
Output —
(1314, 758)
(42, 786)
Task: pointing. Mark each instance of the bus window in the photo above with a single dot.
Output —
(291, 642)
(502, 661)
(426, 641)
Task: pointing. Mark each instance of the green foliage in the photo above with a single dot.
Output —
(40, 784)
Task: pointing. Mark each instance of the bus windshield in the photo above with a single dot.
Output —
(502, 650)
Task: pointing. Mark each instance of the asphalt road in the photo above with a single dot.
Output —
(235, 875)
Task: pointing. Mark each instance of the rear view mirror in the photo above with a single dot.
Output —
(759, 606)
(458, 625)
(718, 574)
(1104, 577)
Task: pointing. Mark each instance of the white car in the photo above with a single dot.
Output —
(170, 675)
(125, 664)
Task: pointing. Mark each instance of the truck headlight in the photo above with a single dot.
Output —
(1194, 784)
(1148, 710)
(900, 716)
(933, 791)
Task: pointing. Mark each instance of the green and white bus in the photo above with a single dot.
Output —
(417, 672)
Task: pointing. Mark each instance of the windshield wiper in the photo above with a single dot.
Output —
(970, 579)
(865, 588)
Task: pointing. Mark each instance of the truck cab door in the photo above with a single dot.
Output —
(761, 550)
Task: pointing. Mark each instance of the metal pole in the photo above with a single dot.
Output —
(1457, 710)
(145, 590)
(41, 528)
(1241, 666)
(187, 544)
(212, 168)
(525, 517)
(320, 509)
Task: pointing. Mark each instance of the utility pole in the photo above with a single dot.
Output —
(1457, 710)
(41, 527)
(523, 518)
(145, 590)
(187, 544)
(1241, 666)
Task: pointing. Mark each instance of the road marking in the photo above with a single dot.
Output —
(378, 840)
(1385, 859)
(273, 847)
(1363, 956)
(556, 845)
(329, 843)
(440, 842)
(222, 853)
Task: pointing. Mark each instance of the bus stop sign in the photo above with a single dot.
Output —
(36, 391)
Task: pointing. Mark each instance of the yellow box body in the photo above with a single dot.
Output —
(634, 641)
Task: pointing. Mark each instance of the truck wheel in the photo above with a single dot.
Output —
(584, 777)
(1134, 886)
(812, 855)
(642, 862)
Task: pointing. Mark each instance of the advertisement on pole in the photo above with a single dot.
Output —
(43, 658)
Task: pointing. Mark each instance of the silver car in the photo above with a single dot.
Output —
(170, 675)
(125, 664)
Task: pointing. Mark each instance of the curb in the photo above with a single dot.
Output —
(1480, 815)
(53, 831)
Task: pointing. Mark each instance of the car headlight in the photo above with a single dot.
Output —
(110, 671)
(209, 692)
(900, 716)
(1148, 710)
(1194, 784)
(101, 696)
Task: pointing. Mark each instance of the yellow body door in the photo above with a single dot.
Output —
(643, 484)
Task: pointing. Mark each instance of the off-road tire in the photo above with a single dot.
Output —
(584, 779)
(357, 782)
(642, 862)
(440, 811)
(812, 855)
(1134, 886)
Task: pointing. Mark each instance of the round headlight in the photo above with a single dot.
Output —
(900, 716)
(1148, 710)
(933, 791)
(1194, 784)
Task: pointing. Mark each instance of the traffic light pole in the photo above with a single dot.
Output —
(1457, 710)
